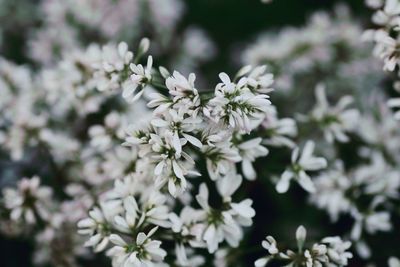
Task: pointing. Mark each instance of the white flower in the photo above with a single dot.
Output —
(221, 156)
(129, 221)
(98, 224)
(337, 250)
(154, 208)
(241, 212)
(102, 136)
(261, 262)
(228, 185)
(220, 225)
(391, 9)
(189, 225)
(160, 102)
(184, 94)
(334, 121)
(315, 256)
(270, 245)
(30, 202)
(249, 151)
(331, 190)
(169, 158)
(236, 105)
(279, 131)
(140, 77)
(140, 253)
(115, 60)
(180, 124)
(300, 164)
(385, 48)
(331, 251)
(372, 222)
(260, 81)
(379, 221)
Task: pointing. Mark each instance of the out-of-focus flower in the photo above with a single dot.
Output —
(334, 121)
(30, 202)
(300, 164)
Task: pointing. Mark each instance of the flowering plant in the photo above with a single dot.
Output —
(131, 154)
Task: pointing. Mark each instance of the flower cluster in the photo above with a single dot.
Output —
(166, 166)
(186, 124)
(360, 193)
(330, 251)
(158, 156)
(362, 186)
(386, 39)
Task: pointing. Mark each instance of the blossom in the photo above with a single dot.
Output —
(334, 121)
(260, 81)
(114, 62)
(337, 250)
(97, 225)
(300, 164)
(279, 131)
(241, 212)
(221, 156)
(331, 188)
(249, 151)
(188, 224)
(181, 125)
(331, 251)
(221, 225)
(72, 114)
(236, 105)
(140, 77)
(30, 202)
(128, 222)
(372, 222)
(168, 156)
(390, 10)
(183, 92)
(142, 252)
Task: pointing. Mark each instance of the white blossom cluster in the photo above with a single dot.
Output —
(304, 59)
(65, 23)
(386, 39)
(149, 168)
(185, 124)
(158, 157)
(330, 251)
(326, 50)
(340, 192)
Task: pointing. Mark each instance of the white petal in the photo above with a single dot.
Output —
(141, 237)
(117, 240)
(283, 185)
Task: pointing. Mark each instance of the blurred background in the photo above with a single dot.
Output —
(230, 26)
